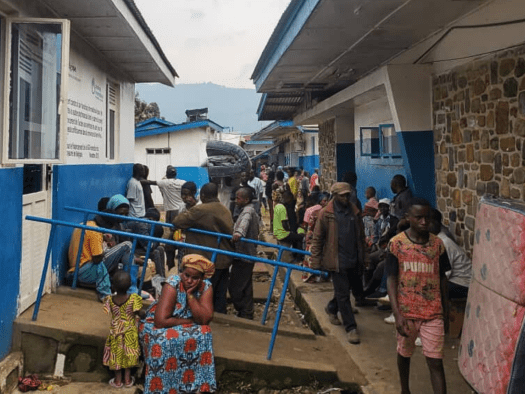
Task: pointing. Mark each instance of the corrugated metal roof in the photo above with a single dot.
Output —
(144, 132)
(279, 106)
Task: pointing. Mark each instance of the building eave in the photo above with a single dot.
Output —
(117, 30)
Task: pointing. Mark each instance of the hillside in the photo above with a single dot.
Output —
(229, 107)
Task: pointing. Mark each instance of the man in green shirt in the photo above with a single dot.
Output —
(281, 227)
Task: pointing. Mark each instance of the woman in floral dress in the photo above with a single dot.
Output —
(175, 335)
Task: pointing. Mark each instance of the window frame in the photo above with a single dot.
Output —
(371, 154)
(64, 78)
(116, 121)
(381, 153)
(381, 146)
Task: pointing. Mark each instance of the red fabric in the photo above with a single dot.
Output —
(418, 292)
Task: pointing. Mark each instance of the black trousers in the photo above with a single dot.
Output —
(241, 288)
(219, 282)
(344, 281)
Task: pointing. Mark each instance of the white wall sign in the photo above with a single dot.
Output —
(86, 113)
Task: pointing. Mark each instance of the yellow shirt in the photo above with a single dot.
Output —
(93, 246)
(294, 186)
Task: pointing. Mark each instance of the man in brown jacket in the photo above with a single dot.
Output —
(338, 246)
(211, 215)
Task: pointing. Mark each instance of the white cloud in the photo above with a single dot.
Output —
(215, 41)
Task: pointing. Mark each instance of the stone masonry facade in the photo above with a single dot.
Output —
(327, 159)
(479, 134)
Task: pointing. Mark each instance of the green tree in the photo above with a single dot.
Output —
(144, 110)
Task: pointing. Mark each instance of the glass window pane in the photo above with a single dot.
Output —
(390, 141)
(33, 176)
(370, 141)
(34, 122)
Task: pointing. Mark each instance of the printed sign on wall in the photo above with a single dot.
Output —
(86, 116)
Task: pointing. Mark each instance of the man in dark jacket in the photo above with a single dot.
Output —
(211, 215)
(338, 246)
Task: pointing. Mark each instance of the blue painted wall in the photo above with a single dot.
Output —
(416, 164)
(309, 163)
(11, 180)
(82, 186)
(345, 155)
(418, 155)
(199, 175)
(377, 172)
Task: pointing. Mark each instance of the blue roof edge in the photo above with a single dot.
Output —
(292, 21)
(139, 133)
(146, 122)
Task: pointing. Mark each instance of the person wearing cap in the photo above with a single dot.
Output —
(338, 246)
(175, 335)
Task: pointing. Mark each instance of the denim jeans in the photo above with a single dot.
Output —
(99, 274)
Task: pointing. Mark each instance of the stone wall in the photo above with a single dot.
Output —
(327, 159)
(479, 133)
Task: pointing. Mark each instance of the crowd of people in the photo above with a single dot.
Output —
(394, 251)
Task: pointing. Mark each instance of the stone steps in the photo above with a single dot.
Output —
(74, 329)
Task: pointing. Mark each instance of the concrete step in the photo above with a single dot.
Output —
(77, 328)
(89, 387)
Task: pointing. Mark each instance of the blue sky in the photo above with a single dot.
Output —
(215, 41)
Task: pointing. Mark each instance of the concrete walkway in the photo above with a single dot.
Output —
(76, 327)
(72, 323)
(375, 356)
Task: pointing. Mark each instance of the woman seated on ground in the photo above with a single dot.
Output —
(175, 335)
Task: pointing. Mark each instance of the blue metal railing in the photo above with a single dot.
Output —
(276, 263)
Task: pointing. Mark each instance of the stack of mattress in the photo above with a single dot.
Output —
(492, 350)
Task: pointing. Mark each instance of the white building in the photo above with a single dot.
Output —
(159, 143)
(68, 78)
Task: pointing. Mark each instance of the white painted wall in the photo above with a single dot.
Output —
(372, 114)
(87, 109)
(311, 144)
(344, 128)
(188, 147)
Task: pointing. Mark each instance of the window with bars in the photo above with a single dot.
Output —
(158, 151)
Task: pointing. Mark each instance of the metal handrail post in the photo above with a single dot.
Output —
(214, 255)
(279, 311)
(146, 258)
(79, 254)
(131, 255)
(195, 230)
(277, 264)
(270, 292)
(44, 272)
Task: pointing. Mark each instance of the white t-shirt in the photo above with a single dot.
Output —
(170, 190)
(461, 272)
(135, 195)
(256, 183)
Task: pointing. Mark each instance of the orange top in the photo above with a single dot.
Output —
(93, 246)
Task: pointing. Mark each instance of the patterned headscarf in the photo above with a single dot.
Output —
(199, 263)
(116, 201)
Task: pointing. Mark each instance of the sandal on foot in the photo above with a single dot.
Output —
(130, 384)
(113, 384)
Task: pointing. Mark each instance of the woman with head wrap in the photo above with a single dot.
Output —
(175, 335)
